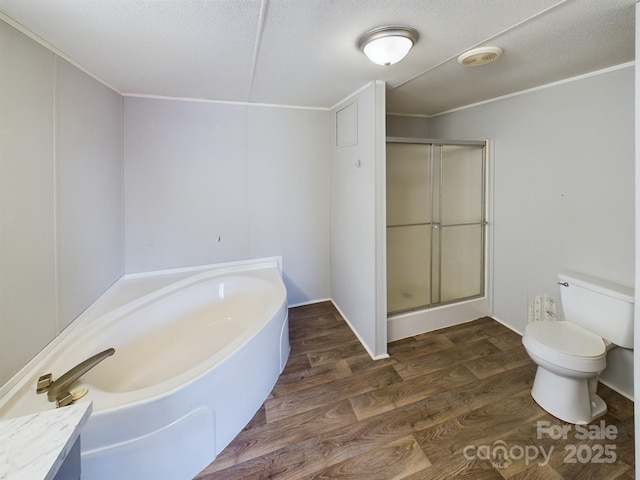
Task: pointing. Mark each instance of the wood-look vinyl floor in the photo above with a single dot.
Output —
(454, 403)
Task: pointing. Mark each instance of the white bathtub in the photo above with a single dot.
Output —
(197, 352)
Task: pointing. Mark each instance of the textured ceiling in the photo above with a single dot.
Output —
(302, 52)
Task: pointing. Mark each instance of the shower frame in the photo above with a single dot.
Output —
(404, 323)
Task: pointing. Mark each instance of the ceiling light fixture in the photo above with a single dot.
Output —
(479, 56)
(388, 45)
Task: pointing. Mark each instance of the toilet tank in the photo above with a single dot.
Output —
(602, 307)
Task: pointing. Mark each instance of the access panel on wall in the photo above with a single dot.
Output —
(436, 223)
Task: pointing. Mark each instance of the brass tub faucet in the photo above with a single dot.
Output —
(58, 390)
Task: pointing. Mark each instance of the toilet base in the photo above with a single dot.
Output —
(573, 400)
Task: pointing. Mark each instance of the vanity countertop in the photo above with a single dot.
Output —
(33, 447)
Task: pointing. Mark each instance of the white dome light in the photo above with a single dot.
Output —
(387, 45)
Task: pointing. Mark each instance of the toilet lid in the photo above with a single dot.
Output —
(566, 338)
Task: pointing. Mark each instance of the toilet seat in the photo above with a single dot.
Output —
(566, 345)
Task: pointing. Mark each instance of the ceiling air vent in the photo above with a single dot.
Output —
(479, 56)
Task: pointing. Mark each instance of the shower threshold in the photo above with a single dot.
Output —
(407, 323)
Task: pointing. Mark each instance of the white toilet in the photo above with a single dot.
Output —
(570, 354)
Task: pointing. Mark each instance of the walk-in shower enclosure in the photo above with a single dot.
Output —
(436, 223)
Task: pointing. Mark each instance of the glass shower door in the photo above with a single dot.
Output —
(462, 220)
(435, 224)
(409, 222)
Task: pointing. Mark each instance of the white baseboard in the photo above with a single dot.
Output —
(364, 344)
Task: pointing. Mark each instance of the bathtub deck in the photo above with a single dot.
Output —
(334, 412)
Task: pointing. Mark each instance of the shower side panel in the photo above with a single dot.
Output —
(462, 185)
(408, 184)
(408, 277)
(462, 220)
(409, 215)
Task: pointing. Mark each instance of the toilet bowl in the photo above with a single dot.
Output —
(569, 361)
(571, 354)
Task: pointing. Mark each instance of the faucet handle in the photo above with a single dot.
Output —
(64, 399)
(43, 383)
(63, 384)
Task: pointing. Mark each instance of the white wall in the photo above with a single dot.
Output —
(288, 196)
(563, 186)
(637, 262)
(411, 126)
(358, 229)
(88, 190)
(185, 183)
(215, 182)
(60, 191)
(27, 235)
